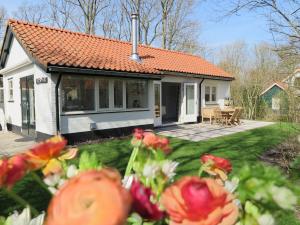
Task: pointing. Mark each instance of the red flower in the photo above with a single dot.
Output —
(218, 162)
(3, 171)
(12, 170)
(193, 200)
(142, 203)
(138, 133)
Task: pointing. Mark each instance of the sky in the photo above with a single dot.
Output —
(247, 27)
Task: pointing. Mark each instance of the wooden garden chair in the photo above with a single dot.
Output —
(233, 117)
(238, 116)
(219, 118)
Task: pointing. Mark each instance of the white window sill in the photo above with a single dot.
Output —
(211, 103)
(103, 111)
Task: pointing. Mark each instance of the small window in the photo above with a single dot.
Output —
(136, 94)
(78, 94)
(118, 94)
(210, 94)
(103, 94)
(11, 90)
(276, 104)
(207, 94)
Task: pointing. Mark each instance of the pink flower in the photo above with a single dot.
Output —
(192, 200)
(138, 133)
(142, 203)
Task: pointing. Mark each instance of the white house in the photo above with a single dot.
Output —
(85, 86)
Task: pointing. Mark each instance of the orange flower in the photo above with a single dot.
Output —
(153, 141)
(48, 155)
(91, 198)
(12, 170)
(216, 166)
(196, 201)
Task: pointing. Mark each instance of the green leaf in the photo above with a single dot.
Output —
(88, 161)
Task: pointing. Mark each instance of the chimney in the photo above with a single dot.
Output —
(135, 38)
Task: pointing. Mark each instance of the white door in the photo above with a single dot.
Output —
(157, 104)
(190, 102)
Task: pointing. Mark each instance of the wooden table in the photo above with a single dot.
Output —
(227, 113)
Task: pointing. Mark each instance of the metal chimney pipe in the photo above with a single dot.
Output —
(135, 38)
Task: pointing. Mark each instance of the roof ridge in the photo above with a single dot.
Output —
(11, 20)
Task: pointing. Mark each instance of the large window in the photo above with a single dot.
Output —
(1, 90)
(103, 94)
(10, 89)
(210, 94)
(78, 94)
(118, 94)
(136, 94)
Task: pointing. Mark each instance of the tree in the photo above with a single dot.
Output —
(90, 10)
(3, 18)
(282, 15)
(32, 12)
(61, 13)
(254, 69)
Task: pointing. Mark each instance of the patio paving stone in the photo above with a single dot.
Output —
(204, 131)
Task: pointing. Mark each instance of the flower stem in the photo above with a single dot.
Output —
(131, 161)
(200, 171)
(40, 182)
(21, 201)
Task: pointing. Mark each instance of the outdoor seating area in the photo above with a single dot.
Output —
(226, 116)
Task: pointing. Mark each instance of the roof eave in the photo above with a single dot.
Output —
(193, 75)
(101, 72)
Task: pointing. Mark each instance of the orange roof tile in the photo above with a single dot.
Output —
(52, 46)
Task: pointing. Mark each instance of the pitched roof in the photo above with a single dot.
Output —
(57, 47)
(282, 85)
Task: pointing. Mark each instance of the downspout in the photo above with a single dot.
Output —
(200, 101)
(57, 103)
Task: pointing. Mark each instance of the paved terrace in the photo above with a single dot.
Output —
(204, 131)
(11, 143)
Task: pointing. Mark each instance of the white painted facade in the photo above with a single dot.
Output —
(19, 65)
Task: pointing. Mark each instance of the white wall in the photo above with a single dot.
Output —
(16, 54)
(45, 103)
(223, 91)
(45, 120)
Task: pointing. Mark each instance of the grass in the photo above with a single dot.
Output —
(240, 148)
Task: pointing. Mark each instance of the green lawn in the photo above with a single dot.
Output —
(240, 148)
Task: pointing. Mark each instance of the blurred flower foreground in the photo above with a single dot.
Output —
(150, 191)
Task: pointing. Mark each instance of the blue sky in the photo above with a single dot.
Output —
(247, 27)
